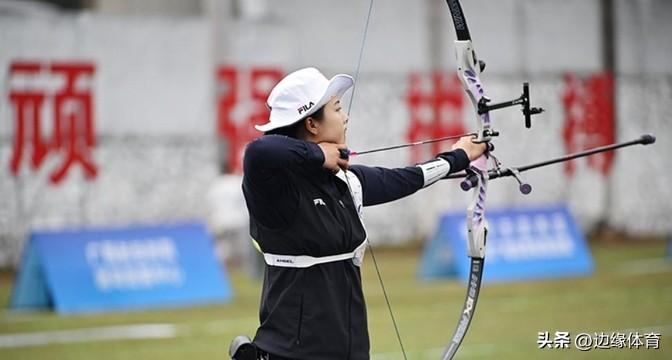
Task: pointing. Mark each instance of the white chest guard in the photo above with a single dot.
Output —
(304, 261)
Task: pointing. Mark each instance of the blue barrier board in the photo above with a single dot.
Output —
(100, 269)
(522, 244)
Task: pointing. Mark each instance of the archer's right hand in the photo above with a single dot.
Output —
(333, 161)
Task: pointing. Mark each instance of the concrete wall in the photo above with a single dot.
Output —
(155, 118)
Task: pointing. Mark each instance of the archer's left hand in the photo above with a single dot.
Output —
(473, 150)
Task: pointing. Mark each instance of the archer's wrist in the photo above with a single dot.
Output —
(457, 159)
(314, 154)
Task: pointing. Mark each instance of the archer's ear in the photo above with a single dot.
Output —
(312, 126)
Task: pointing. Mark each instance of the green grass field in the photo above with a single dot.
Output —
(631, 291)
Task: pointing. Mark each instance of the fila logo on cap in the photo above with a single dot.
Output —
(305, 107)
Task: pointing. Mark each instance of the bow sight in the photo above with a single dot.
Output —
(523, 100)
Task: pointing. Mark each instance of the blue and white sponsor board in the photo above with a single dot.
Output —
(114, 269)
(522, 244)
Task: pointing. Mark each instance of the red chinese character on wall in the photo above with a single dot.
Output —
(434, 112)
(241, 104)
(589, 118)
(72, 134)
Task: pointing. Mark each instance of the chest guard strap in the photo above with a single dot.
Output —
(304, 261)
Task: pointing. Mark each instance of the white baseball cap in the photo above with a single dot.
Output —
(300, 94)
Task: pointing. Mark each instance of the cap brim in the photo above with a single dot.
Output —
(338, 85)
(269, 126)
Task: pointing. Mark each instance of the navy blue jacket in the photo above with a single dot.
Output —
(298, 208)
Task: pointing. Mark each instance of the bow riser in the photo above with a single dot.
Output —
(469, 70)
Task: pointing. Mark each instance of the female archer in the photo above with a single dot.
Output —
(305, 203)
